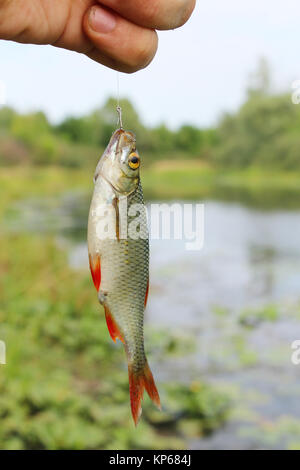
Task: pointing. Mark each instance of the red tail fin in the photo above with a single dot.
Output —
(137, 383)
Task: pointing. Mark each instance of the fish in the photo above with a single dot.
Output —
(118, 247)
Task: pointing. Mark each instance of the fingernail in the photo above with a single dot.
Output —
(101, 21)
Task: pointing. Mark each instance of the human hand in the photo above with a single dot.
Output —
(117, 33)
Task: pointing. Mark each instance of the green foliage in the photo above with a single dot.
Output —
(96, 128)
(7, 116)
(162, 140)
(31, 138)
(260, 81)
(264, 132)
(35, 133)
(189, 139)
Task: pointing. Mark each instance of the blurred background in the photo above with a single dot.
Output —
(215, 123)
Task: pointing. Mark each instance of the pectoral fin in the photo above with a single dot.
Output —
(95, 269)
(112, 326)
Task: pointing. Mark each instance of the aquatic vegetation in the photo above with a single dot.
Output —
(200, 403)
(247, 356)
(173, 343)
(282, 432)
(253, 317)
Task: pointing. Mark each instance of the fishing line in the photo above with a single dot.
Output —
(118, 88)
(119, 109)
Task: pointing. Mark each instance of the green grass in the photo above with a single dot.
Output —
(252, 186)
(18, 183)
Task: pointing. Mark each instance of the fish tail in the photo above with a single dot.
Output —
(138, 381)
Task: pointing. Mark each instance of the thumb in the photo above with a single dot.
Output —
(118, 43)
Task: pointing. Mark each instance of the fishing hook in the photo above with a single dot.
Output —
(119, 111)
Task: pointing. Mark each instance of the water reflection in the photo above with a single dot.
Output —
(248, 258)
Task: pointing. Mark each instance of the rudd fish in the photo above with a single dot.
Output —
(119, 257)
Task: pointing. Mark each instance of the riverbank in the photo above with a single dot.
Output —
(185, 180)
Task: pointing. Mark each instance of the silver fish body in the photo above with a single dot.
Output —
(118, 245)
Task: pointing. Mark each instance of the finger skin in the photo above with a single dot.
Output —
(127, 48)
(155, 14)
(56, 22)
(64, 23)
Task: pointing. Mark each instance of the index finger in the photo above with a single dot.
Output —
(154, 14)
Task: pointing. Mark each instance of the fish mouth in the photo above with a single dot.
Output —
(119, 140)
(121, 135)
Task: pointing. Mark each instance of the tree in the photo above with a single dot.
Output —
(260, 81)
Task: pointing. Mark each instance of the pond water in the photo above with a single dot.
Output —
(237, 301)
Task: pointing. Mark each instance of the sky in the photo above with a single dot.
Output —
(200, 71)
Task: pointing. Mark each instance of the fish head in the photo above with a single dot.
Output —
(120, 163)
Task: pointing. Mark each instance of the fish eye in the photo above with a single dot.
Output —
(134, 161)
